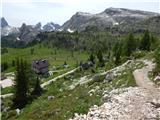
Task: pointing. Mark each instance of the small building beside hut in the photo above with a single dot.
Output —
(40, 67)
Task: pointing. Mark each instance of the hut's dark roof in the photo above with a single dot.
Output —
(40, 64)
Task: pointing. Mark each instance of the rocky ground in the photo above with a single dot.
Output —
(133, 103)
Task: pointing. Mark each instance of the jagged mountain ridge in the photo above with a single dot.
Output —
(107, 18)
(47, 27)
(51, 27)
(6, 29)
(26, 33)
(4, 23)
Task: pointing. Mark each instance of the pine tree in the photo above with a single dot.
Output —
(117, 50)
(13, 63)
(21, 85)
(130, 45)
(4, 66)
(154, 42)
(100, 58)
(145, 42)
(92, 58)
(32, 51)
(37, 90)
(65, 63)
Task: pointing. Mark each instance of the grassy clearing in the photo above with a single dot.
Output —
(56, 57)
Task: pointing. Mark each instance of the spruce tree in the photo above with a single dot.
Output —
(154, 42)
(100, 58)
(37, 89)
(32, 51)
(92, 58)
(21, 85)
(145, 42)
(130, 45)
(117, 50)
(13, 63)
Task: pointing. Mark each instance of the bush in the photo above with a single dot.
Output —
(157, 60)
(96, 79)
(138, 54)
(10, 114)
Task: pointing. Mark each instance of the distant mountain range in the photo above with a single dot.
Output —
(111, 19)
(26, 33)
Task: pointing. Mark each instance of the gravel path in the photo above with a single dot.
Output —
(46, 83)
(58, 77)
(141, 76)
(6, 95)
(6, 83)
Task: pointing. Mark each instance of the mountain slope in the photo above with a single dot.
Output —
(108, 18)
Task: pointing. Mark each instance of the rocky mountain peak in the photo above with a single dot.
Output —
(82, 13)
(23, 25)
(112, 11)
(38, 26)
(6, 29)
(51, 26)
(3, 22)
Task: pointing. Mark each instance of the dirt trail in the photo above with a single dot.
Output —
(141, 76)
(58, 77)
(45, 83)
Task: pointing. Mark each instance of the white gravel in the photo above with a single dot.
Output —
(7, 82)
(131, 103)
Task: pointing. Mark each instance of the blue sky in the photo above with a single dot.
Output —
(32, 11)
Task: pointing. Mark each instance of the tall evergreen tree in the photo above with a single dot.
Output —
(37, 89)
(32, 51)
(13, 63)
(145, 42)
(154, 42)
(4, 66)
(92, 58)
(100, 58)
(21, 84)
(117, 50)
(130, 45)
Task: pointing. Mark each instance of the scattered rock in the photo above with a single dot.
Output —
(50, 97)
(131, 103)
(18, 111)
(157, 78)
(61, 90)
